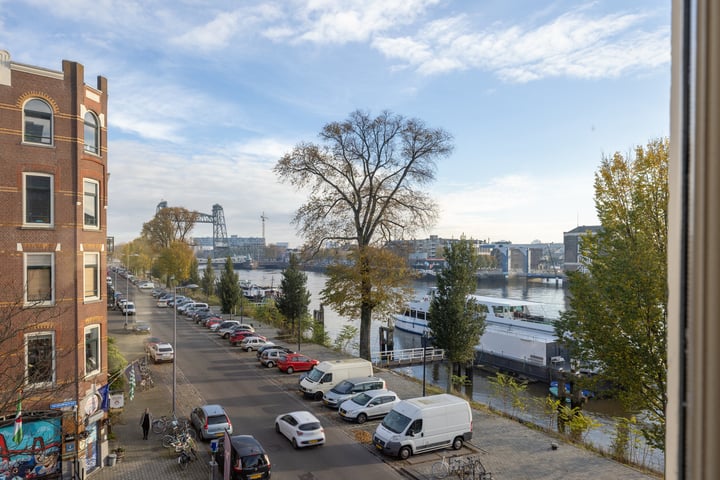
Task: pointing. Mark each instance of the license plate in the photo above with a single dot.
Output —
(255, 475)
(314, 441)
(378, 446)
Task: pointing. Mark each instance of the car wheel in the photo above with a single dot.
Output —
(233, 343)
(277, 428)
(249, 349)
(361, 418)
(290, 370)
(294, 443)
(226, 335)
(404, 453)
(270, 364)
(318, 396)
(457, 443)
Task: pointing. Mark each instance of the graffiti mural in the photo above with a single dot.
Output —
(38, 453)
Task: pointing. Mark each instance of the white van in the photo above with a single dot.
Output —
(326, 375)
(422, 424)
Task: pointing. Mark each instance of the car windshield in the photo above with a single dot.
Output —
(315, 374)
(361, 399)
(396, 422)
(216, 419)
(165, 349)
(308, 427)
(343, 387)
(253, 461)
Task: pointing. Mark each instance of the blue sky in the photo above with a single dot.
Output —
(206, 96)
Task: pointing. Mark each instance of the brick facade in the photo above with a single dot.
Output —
(63, 156)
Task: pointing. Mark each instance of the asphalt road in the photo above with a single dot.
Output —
(253, 396)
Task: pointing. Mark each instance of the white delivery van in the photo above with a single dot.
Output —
(326, 375)
(422, 424)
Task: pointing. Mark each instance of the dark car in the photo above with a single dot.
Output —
(248, 459)
(273, 347)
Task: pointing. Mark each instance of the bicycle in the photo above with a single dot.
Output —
(187, 455)
(463, 468)
(443, 468)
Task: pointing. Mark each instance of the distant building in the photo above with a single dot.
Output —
(53, 230)
(571, 240)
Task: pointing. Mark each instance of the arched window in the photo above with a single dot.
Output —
(38, 122)
(92, 133)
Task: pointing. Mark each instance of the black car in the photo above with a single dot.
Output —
(248, 459)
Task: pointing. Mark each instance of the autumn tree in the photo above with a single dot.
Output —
(365, 182)
(456, 319)
(229, 287)
(294, 297)
(617, 313)
(175, 260)
(170, 224)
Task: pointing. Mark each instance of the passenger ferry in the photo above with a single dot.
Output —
(519, 335)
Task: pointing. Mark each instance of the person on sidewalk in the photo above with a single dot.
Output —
(145, 422)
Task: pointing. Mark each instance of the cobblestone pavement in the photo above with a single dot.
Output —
(505, 447)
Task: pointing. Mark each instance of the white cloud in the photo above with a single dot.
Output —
(573, 44)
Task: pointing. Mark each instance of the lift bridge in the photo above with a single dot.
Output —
(221, 245)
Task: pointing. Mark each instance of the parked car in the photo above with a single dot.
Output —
(210, 421)
(248, 459)
(269, 358)
(213, 321)
(350, 387)
(225, 327)
(205, 319)
(146, 285)
(253, 343)
(128, 308)
(273, 347)
(372, 404)
(295, 362)
(302, 428)
(238, 335)
(141, 329)
(162, 352)
(150, 341)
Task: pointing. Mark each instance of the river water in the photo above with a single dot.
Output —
(551, 294)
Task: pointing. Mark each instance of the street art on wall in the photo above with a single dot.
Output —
(38, 453)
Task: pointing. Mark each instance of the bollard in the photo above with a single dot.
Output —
(213, 468)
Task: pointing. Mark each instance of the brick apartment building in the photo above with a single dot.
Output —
(53, 230)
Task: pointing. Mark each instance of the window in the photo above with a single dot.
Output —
(38, 199)
(38, 122)
(92, 133)
(40, 359)
(91, 206)
(92, 276)
(92, 349)
(39, 279)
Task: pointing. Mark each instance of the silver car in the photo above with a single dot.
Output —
(347, 389)
(210, 421)
(373, 404)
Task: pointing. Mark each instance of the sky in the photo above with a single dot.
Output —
(205, 96)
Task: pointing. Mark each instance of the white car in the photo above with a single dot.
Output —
(372, 404)
(128, 308)
(161, 352)
(146, 285)
(225, 328)
(302, 428)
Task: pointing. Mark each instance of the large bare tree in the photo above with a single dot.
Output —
(170, 224)
(365, 182)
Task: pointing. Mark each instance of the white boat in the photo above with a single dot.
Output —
(519, 335)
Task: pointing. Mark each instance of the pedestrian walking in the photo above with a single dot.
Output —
(145, 422)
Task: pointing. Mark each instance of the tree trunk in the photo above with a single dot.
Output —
(365, 327)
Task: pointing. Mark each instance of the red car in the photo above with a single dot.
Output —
(295, 362)
(239, 335)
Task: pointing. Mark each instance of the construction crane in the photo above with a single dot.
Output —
(221, 244)
(263, 218)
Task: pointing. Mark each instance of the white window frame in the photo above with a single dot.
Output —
(51, 140)
(91, 129)
(28, 338)
(92, 259)
(31, 259)
(91, 200)
(97, 353)
(51, 219)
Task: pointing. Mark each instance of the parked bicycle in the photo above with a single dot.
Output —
(169, 424)
(465, 468)
(187, 454)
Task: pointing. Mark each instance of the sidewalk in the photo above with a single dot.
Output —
(506, 448)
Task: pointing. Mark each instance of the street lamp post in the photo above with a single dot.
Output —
(424, 340)
(175, 345)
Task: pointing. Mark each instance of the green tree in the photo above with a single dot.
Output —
(207, 283)
(617, 314)
(174, 261)
(194, 276)
(456, 319)
(229, 288)
(294, 297)
(365, 182)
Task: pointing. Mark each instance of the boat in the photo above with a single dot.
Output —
(519, 335)
(553, 389)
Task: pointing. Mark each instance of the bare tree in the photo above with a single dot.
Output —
(365, 181)
(169, 225)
